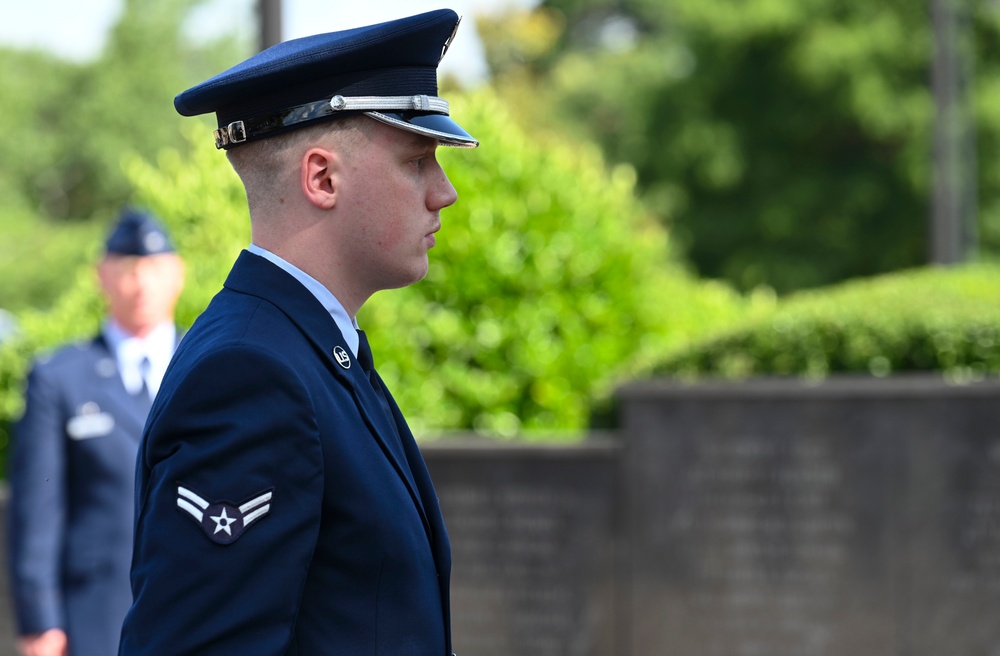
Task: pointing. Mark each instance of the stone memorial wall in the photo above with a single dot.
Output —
(533, 534)
(775, 518)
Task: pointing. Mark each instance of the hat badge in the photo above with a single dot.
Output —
(154, 242)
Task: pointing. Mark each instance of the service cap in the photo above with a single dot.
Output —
(387, 71)
(137, 233)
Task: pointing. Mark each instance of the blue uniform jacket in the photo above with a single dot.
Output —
(72, 478)
(277, 512)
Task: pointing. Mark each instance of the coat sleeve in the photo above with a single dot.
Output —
(37, 510)
(237, 431)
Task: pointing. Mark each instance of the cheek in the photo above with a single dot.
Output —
(161, 294)
(122, 291)
(386, 240)
(387, 220)
(384, 227)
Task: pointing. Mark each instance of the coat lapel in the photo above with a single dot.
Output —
(256, 276)
(108, 381)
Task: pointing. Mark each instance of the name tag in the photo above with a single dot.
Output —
(91, 425)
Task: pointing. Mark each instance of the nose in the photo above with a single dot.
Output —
(443, 193)
(145, 274)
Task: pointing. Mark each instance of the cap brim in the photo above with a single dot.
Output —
(435, 126)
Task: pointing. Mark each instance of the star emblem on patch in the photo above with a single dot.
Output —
(221, 521)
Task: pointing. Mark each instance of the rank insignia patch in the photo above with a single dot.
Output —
(222, 521)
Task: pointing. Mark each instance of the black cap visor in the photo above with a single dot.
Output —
(435, 126)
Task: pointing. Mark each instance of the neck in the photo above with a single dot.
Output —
(140, 330)
(326, 268)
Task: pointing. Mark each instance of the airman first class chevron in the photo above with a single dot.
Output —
(222, 521)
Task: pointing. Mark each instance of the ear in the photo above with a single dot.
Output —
(319, 177)
(103, 272)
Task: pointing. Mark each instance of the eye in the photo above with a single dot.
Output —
(423, 159)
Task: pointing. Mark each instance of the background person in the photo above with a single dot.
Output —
(72, 472)
(283, 505)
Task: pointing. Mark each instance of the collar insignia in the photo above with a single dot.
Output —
(340, 355)
(222, 521)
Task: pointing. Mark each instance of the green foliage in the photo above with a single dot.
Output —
(35, 86)
(786, 142)
(38, 255)
(77, 313)
(943, 320)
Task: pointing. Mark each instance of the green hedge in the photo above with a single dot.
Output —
(36, 253)
(927, 320)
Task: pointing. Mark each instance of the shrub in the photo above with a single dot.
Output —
(924, 320)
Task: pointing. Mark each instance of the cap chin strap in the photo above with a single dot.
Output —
(238, 132)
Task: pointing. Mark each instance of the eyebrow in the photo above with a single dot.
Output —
(420, 140)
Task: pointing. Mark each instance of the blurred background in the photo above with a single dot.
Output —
(665, 187)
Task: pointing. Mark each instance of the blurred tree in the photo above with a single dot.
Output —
(786, 141)
(34, 82)
(38, 257)
(987, 112)
(67, 124)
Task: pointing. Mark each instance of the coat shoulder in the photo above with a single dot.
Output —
(69, 357)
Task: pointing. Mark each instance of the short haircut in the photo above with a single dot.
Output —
(264, 165)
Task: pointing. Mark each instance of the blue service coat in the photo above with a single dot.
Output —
(277, 512)
(72, 478)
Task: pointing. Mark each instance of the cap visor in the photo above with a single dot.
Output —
(435, 126)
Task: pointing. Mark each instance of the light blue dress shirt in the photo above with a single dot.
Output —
(348, 326)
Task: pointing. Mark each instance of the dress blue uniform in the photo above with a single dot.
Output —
(283, 506)
(72, 478)
(348, 553)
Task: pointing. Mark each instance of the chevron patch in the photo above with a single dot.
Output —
(221, 521)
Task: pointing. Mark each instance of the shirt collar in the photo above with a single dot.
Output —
(129, 350)
(158, 344)
(347, 325)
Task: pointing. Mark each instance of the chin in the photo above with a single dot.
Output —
(409, 279)
(419, 271)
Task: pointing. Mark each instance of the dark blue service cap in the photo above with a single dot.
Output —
(137, 233)
(387, 71)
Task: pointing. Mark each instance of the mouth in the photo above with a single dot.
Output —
(430, 235)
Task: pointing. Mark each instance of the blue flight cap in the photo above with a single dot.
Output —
(137, 233)
(387, 71)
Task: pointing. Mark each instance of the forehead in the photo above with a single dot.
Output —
(123, 263)
(402, 139)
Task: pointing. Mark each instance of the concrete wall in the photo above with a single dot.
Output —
(775, 518)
